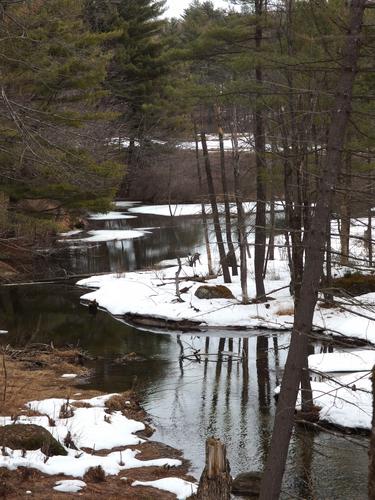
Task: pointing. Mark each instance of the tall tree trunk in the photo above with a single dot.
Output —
(259, 141)
(241, 223)
(215, 212)
(204, 215)
(369, 228)
(371, 452)
(228, 227)
(272, 478)
(345, 211)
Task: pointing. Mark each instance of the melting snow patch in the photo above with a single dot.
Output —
(181, 488)
(111, 216)
(89, 427)
(102, 235)
(69, 486)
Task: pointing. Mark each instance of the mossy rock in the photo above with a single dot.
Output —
(247, 483)
(30, 437)
(214, 292)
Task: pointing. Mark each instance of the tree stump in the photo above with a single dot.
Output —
(216, 481)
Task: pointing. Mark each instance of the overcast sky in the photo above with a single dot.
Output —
(176, 7)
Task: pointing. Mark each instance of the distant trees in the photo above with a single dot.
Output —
(138, 71)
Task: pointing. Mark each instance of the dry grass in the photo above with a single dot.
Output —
(285, 311)
(21, 381)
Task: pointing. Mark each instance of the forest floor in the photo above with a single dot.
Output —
(36, 383)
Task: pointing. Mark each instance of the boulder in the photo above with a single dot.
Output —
(214, 292)
(247, 483)
(30, 437)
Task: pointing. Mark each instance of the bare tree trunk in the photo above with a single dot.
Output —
(369, 230)
(241, 223)
(371, 452)
(274, 471)
(345, 212)
(232, 255)
(204, 215)
(215, 212)
(259, 141)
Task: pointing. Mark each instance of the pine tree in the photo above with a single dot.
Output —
(52, 73)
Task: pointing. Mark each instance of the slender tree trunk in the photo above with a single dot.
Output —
(371, 452)
(204, 215)
(345, 212)
(369, 229)
(228, 226)
(272, 478)
(215, 212)
(241, 223)
(259, 141)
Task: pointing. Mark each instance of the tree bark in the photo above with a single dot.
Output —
(272, 478)
(228, 227)
(216, 481)
(371, 452)
(215, 212)
(241, 223)
(204, 215)
(259, 141)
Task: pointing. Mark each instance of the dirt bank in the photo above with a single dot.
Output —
(36, 373)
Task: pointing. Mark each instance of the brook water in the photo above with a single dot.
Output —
(188, 401)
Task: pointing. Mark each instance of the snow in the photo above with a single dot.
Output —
(125, 204)
(111, 216)
(101, 235)
(181, 488)
(70, 233)
(89, 427)
(3, 332)
(349, 406)
(69, 375)
(69, 486)
(141, 293)
(353, 361)
(193, 209)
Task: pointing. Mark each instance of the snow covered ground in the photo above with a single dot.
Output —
(152, 293)
(111, 216)
(196, 208)
(101, 235)
(181, 488)
(88, 427)
(345, 400)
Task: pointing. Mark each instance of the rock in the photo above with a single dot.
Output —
(247, 483)
(214, 292)
(30, 437)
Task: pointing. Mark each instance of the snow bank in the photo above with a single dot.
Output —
(88, 427)
(353, 361)
(181, 488)
(195, 208)
(152, 293)
(111, 216)
(101, 235)
(344, 401)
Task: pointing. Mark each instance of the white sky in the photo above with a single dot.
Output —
(176, 7)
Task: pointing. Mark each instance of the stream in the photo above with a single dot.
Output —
(227, 393)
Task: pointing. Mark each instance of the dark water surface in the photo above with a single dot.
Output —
(230, 397)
